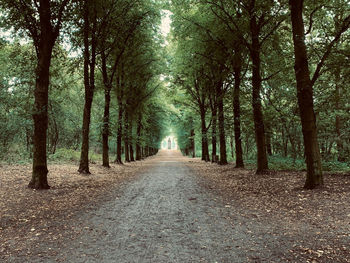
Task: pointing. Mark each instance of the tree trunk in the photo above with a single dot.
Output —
(237, 112)
(138, 140)
(131, 151)
(284, 141)
(222, 136)
(147, 151)
(44, 47)
(192, 142)
(119, 134)
(89, 84)
(131, 139)
(40, 116)
(305, 98)
(232, 147)
(105, 132)
(262, 163)
(126, 136)
(268, 139)
(120, 91)
(205, 151)
(213, 131)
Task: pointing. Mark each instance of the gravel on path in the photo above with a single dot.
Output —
(165, 215)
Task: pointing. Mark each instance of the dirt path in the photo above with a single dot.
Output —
(162, 216)
(165, 215)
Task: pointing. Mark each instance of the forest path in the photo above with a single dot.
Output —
(163, 215)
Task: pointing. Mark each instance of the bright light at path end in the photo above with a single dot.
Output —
(166, 23)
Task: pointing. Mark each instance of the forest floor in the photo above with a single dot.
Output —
(169, 208)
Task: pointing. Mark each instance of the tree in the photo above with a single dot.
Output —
(305, 90)
(42, 21)
(90, 42)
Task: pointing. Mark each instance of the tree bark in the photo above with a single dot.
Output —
(205, 151)
(285, 141)
(40, 116)
(192, 143)
(44, 46)
(237, 111)
(126, 136)
(262, 163)
(105, 131)
(222, 136)
(131, 151)
(120, 91)
(89, 84)
(131, 139)
(213, 131)
(138, 140)
(314, 176)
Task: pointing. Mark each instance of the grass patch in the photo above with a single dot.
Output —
(64, 155)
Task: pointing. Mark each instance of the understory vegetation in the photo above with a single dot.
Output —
(263, 84)
(80, 81)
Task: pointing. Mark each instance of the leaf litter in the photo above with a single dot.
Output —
(313, 225)
(31, 221)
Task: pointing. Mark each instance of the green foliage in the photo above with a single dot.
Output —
(64, 155)
(161, 84)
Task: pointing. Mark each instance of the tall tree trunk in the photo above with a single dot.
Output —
(147, 151)
(262, 163)
(120, 91)
(126, 136)
(131, 140)
(213, 131)
(305, 98)
(138, 140)
(192, 143)
(119, 135)
(44, 46)
(105, 131)
(40, 116)
(222, 136)
(186, 151)
(237, 110)
(232, 147)
(205, 151)
(268, 139)
(131, 151)
(284, 141)
(89, 84)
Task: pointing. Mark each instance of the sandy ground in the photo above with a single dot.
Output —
(173, 209)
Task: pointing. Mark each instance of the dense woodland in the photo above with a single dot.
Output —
(249, 81)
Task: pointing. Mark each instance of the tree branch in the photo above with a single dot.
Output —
(345, 25)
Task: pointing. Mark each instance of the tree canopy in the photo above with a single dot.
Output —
(248, 81)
